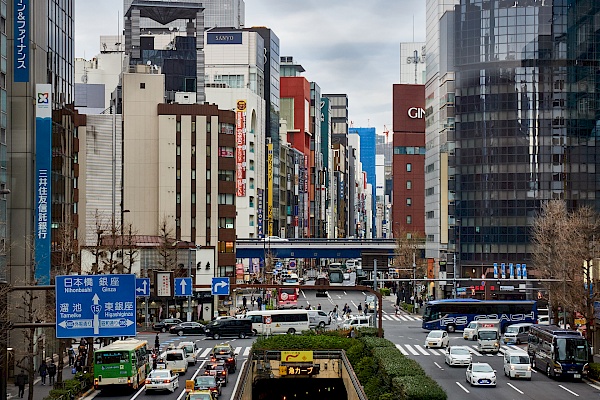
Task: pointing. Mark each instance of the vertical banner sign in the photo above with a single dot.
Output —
(524, 271)
(495, 270)
(503, 270)
(240, 149)
(270, 189)
(518, 271)
(43, 169)
(21, 41)
(511, 269)
(260, 213)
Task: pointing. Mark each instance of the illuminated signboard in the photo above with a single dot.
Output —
(297, 370)
(240, 149)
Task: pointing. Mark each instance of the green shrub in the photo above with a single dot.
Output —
(57, 393)
(595, 371)
(393, 364)
(300, 342)
(408, 307)
(367, 332)
(374, 342)
(418, 388)
(384, 291)
(356, 352)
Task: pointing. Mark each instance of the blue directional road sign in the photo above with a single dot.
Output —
(220, 286)
(142, 287)
(95, 306)
(183, 286)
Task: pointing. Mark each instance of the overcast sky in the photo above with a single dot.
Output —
(346, 46)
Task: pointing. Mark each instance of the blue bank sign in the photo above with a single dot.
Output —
(95, 306)
(21, 41)
(224, 38)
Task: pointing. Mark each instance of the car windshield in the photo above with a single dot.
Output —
(571, 349)
(459, 351)
(482, 368)
(512, 329)
(205, 381)
(159, 374)
(199, 396)
(488, 335)
(519, 359)
(189, 348)
(472, 325)
(435, 334)
(221, 350)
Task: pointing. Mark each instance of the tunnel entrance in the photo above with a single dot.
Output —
(299, 389)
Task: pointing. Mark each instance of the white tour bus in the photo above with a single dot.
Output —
(282, 321)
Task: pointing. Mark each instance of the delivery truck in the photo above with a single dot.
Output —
(488, 335)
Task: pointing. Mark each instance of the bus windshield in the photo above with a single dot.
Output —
(112, 357)
(571, 350)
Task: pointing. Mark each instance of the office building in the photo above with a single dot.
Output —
(412, 62)
(368, 160)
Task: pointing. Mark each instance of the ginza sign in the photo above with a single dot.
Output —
(416, 112)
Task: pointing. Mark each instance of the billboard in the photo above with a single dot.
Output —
(224, 38)
(409, 108)
(270, 189)
(21, 40)
(43, 182)
(240, 148)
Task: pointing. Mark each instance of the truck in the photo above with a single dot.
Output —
(487, 332)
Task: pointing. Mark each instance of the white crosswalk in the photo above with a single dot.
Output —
(401, 317)
(418, 350)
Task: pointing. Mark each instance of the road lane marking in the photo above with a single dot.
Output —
(238, 350)
(462, 387)
(474, 351)
(421, 350)
(408, 346)
(570, 391)
(434, 352)
(303, 295)
(512, 386)
(183, 392)
(402, 350)
(247, 351)
(438, 365)
(345, 293)
(205, 353)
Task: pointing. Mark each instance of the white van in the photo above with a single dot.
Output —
(356, 321)
(191, 351)
(517, 364)
(516, 333)
(469, 331)
(318, 318)
(176, 360)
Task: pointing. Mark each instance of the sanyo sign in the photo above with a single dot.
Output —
(416, 113)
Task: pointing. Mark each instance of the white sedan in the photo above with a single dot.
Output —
(162, 379)
(437, 338)
(481, 374)
(457, 355)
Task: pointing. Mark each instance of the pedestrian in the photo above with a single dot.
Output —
(157, 342)
(244, 301)
(396, 308)
(71, 352)
(351, 334)
(43, 370)
(359, 308)
(20, 381)
(51, 372)
(319, 306)
(394, 289)
(345, 309)
(78, 364)
(335, 311)
(252, 301)
(366, 308)
(259, 302)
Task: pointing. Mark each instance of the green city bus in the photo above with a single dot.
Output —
(123, 362)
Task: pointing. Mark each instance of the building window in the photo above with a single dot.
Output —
(429, 191)
(251, 183)
(430, 238)
(251, 165)
(226, 198)
(193, 198)
(409, 185)
(251, 201)
(226, 175)
(194, 174)
(178, 198)
(409, 167)
(430, 214)
(178, 151)
(226, 152)
(408, 201)
(226, 223)
(207, 198)
(178, 174)
(226, 247)
(409, 219)
(430, 168)
(142, 85)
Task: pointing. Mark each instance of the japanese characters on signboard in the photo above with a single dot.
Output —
(240, 148)
(164, 284)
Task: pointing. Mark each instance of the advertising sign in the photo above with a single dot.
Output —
(43, 182)
(21, 40)
(164, 284)
(224, 38)
(260, 213)
(270, 189)
(240, 148)
(296, 356)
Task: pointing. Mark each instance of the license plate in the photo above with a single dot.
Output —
(484, 381)
(122, 380)
(577, 376)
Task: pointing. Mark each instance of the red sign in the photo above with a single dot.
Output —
(240, 151)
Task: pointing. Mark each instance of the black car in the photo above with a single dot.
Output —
(165, 324)
(219, 371)
(207, 382)
(229, 327)
(187, 328)
(225, 352)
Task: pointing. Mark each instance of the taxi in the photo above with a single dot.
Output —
(200, 395)
(219, 370)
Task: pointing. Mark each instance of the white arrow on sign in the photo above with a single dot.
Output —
(88, 323)
(183, 285)
(142, 290)
(96, 300)
(222, 284)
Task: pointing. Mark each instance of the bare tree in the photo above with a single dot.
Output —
(129, 249)
(564, 248)
(167, 253)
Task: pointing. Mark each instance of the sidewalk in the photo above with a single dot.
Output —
(392, 299)
(40, 391)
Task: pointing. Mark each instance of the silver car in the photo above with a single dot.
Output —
(457, 355)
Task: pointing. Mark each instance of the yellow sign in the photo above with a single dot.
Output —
(580, 321)
(189, 385)
(241, 105)
(295, 370)
(296, 356)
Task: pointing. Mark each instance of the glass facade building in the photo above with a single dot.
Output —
(526, 119)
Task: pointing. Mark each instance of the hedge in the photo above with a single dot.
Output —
(384, 291)
(418, 388)
(594, 371)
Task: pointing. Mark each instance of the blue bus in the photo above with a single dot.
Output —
(456, 314)
(558, 352)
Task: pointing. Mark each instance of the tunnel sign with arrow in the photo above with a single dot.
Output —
(95, 305)
(220, 286)
(183, 286)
